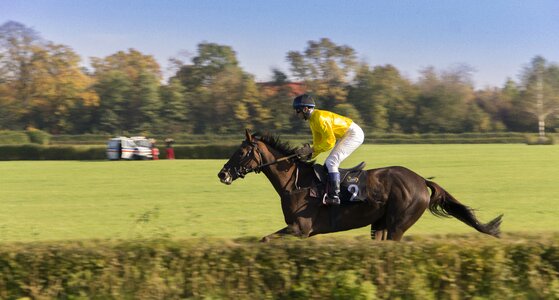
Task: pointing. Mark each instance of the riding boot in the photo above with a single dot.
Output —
(333, 196)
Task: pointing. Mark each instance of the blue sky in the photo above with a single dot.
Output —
(495, 37)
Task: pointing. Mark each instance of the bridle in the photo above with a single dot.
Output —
(241, 171)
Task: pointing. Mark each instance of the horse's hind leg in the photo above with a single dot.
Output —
(288, 230)
(378, 234)
(378, 230)
(400, 218)
(395, 234)
(284, 231)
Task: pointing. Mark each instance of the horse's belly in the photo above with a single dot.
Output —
(355, 217)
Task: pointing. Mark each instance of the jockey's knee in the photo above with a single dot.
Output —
(331, 165)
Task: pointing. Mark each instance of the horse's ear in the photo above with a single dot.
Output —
(248, 135)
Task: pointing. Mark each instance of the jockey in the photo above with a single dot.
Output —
(329, 130)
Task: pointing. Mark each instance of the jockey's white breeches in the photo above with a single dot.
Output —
(351, 140)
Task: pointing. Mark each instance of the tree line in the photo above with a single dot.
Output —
(43, 86)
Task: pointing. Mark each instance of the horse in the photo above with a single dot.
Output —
(396, 196)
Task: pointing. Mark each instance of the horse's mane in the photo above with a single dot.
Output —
(275, 142)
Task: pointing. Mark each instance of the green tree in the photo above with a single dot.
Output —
(278, 97)
(325, 68)
(552, 78)
(260, 115)
(41, 81)
(211, 60)
(497, 103)
(362, 96)
(348, 110)
(59, 84)
(444, 100)
(17, 48)
(540, 91)
(384, 98)
(130, 103)
(233, 103)
(201, 78)
(149, 102)
(114, 89)
(174, 109)
(132, 63)
(477, 120)
(227, 99)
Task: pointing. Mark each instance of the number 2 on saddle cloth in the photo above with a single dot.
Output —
(353, 184)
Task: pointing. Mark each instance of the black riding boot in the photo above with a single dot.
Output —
(333, 197)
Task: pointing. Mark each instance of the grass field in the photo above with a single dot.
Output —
(71, 200)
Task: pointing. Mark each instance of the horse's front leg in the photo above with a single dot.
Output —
(288, 230)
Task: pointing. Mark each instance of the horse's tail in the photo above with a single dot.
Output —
(442, 204)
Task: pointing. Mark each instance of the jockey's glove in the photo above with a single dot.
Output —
(304, 152)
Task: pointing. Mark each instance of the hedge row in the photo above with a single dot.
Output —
(37, 152)
(292, 269)
(181, 139)
(443, 140)
(92, 152)
(376, 138)
(203, 152)
(209, 151)
(8, 137)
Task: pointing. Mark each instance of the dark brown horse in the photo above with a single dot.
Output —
(396, 196)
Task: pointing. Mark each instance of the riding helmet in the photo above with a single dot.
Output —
(303, 100)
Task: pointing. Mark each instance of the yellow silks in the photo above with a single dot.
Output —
(326, 128)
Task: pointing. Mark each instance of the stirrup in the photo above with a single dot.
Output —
(330, 201)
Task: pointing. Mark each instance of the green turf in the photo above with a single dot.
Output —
(67, 200)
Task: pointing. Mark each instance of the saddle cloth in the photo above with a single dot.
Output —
(353, 183)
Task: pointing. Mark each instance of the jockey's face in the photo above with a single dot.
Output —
(303, 112)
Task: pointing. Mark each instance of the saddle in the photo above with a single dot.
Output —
(353, 183)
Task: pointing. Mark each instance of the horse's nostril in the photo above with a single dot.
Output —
(223, 174)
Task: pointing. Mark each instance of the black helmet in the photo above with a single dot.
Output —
(303, 100)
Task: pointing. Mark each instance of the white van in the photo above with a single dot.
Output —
(143, 147)
(128, 148)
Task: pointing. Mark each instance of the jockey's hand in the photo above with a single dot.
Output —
(304, 152)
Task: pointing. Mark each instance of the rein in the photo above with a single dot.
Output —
(242, 171)
(259, 167)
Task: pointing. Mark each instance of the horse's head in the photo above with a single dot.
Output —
(245, 160)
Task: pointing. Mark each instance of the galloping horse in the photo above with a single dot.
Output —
(396, 196)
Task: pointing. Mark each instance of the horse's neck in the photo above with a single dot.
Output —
(283, 175)
(288, 177)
